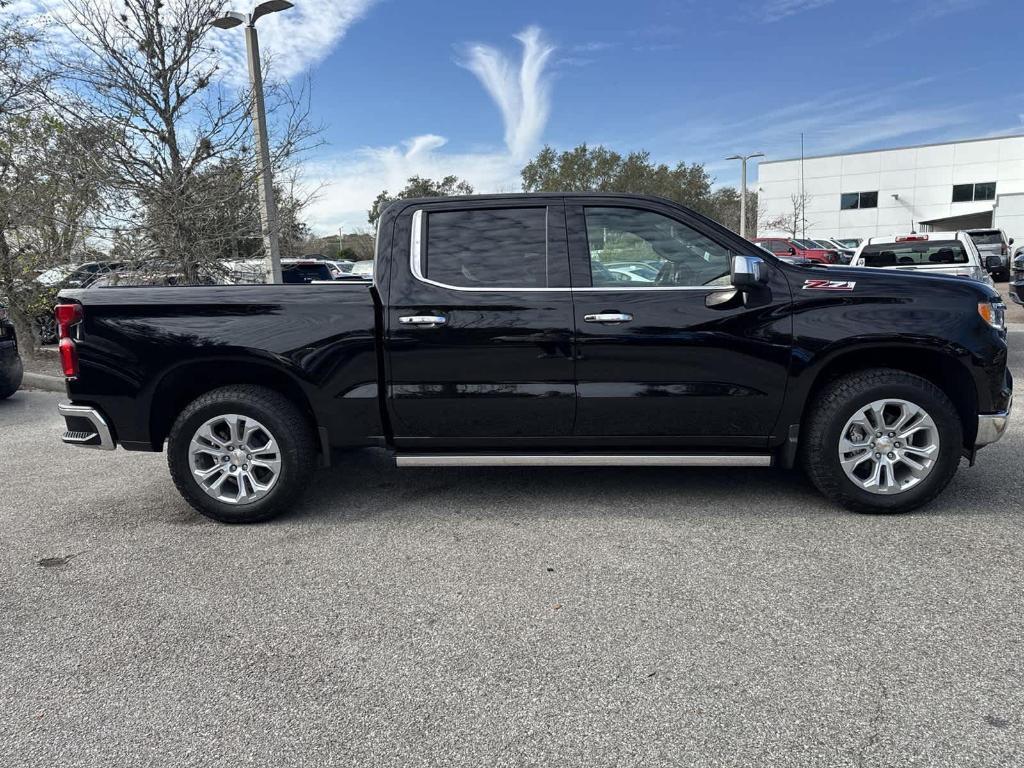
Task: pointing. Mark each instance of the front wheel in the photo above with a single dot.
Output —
(241, 454)
(882, 440)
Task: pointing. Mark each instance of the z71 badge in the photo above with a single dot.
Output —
(829, 285)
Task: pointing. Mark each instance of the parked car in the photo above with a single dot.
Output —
(489, 339)
(77, 275)
(845, 253)
(1016, 287)
(938, 253)
(11, 368)
(993, 243)
(363, 269)
(801, 249)
(339, 268)
(849, 242)
(632, 276)
(640, 268)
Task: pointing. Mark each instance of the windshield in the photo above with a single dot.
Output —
(805, 244)
(932, 253)
(987, 238)
(849, 242)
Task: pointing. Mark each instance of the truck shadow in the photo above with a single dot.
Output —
(366, 484)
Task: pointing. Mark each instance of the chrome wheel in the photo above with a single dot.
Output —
(889, 446)
(234, 459)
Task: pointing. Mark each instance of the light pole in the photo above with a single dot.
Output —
(268, 204)
(743, 189)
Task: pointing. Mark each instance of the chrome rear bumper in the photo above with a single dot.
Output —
(86, 427)
(992, 426)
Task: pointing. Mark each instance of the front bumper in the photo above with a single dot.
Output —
(86, 427)
(992, 426)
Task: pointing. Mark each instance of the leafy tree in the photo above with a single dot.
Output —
(597, 169)
(417, 186)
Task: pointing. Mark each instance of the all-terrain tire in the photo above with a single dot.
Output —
(286, 424)
(840, 400)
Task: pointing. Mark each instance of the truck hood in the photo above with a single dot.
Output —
(876, 281)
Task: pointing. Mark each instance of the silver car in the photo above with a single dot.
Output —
(993, 242)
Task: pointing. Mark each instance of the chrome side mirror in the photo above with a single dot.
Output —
(748, 272)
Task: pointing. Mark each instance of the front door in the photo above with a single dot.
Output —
(480, 325)
(653, 360)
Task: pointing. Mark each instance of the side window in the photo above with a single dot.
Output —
(631, 248)
(487, 248)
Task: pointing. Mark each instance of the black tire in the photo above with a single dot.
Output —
(839, 401)
(10, 379)
(282, 418)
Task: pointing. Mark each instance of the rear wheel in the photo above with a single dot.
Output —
(241, 454)
(10, 379)
(882, 440)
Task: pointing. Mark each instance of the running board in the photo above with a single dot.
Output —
(581, 460)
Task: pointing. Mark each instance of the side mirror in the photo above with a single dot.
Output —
(791, 251)
(993, 262)
(1011, 241)
(748, 272)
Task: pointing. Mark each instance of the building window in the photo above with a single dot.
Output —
(851, 200)
(966, 193)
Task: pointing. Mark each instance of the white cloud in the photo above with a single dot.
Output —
(350, 181)
(293, 40)
(524, 96)
(776, 10)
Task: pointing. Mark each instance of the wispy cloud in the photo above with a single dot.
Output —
(523, 96)
(777, 10)
(521, 91)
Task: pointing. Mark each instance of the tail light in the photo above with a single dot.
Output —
(1004, 250)
(68, 316)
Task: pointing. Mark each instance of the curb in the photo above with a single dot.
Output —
(42, 381)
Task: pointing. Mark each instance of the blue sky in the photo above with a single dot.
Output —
(413, 86)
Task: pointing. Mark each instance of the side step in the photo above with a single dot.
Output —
(581, 460)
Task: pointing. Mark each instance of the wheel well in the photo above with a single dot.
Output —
(184, 384)
(941, 370)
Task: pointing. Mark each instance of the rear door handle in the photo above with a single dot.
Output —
(608, 317)
(423, 320)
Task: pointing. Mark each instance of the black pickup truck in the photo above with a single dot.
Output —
(544, 330)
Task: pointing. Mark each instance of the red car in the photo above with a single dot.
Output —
(801, 249)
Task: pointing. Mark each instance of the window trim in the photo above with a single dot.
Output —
(629, 285)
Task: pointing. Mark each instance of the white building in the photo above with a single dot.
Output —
(931, 187)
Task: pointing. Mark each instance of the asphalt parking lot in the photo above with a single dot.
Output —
(504, 617)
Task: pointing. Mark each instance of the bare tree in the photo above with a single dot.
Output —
(148, 70)
(794, 221)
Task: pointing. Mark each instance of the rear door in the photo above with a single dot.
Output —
(480, 325)
(655, 364)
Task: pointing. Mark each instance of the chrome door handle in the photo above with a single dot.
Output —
(608, 317)
(423, 320)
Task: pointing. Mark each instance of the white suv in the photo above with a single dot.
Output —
(941, 253)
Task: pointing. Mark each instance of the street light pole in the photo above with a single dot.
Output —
(268, 201)
(743, 189)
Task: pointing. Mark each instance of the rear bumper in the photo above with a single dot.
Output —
(86, 427)
(992, 426)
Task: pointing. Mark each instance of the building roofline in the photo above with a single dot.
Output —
(893, 149)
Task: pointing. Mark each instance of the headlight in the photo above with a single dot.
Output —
(994, 313)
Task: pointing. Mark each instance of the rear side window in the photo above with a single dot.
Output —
(933, 253)
(987, 238)
(487, 248)
(303, 273)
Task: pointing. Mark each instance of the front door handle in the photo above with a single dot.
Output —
(608, 317)
(430, 320)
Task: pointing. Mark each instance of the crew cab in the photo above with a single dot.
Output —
(492, 334)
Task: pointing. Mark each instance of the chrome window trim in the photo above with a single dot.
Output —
(416, 257)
